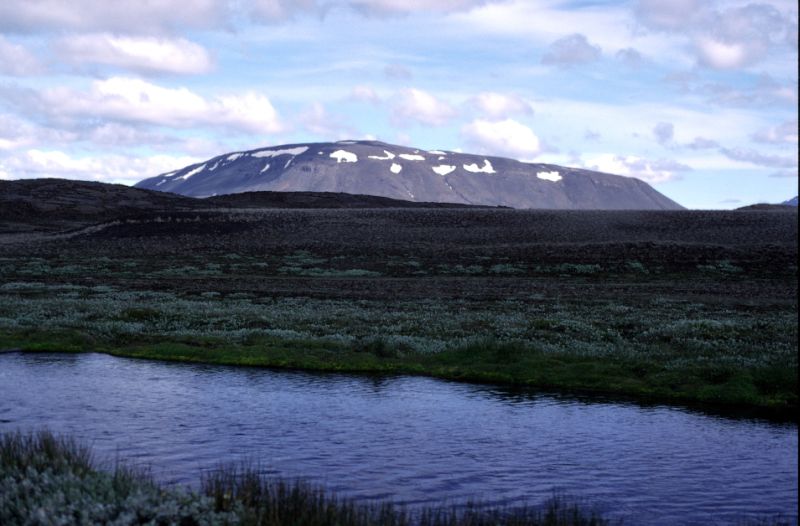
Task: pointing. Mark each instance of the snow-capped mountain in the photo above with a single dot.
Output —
(377, 168)
(791, 202)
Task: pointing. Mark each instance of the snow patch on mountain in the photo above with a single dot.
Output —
(193, 172)
(343, 156)
(395, 168)
(411, 157)
(443, 169)
(285, 151)
(486, 168)
(266, 167)
(234, 156)
(389, 156)
(549, 176)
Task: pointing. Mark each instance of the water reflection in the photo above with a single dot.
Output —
(414, 440)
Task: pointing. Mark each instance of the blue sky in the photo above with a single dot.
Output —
(698, 98)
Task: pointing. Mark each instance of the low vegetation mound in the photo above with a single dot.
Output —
(47, 479)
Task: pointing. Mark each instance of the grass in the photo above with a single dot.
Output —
(719, 382)
(674, 307)
(664, 350)
(46, 479)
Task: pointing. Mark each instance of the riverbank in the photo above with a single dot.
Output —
(766, 390)
(677, 307)
(57, 480)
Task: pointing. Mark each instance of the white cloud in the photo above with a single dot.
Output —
(136, 53)
(318, 121)
(667, 15)
(17, 60)
(783, 133)
(135, 100)
(499, 105)
(365, 94)
(724, 36)
(275, 10)
(410, 6)
(417, 105)
(122, 16)
(106, 168)
(651, 171)
(571, 50)
(507, 138)
(722, 55)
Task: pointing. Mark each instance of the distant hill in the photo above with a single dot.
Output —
(62, 203)
(791, 202)
(399, 172)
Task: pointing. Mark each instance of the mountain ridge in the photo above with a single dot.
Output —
(400, 172)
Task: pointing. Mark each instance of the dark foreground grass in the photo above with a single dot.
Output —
(769, 388)
(45, 479)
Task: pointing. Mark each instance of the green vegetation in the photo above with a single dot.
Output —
(46, 479)
(664, 350)
(684, 306)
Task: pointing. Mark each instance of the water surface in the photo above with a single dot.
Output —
(413, 440)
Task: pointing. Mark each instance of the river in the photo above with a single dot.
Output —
(413, 440)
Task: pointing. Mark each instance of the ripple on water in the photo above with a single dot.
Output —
(412, 440)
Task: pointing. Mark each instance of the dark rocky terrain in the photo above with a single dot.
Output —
(675, 304)
(60, 204)
(398, 172)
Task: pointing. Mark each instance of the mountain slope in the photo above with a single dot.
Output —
(376, 168)
(791, 202)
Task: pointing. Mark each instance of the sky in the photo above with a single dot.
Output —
(697, 97)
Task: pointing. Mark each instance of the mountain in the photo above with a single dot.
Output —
(791, 202)
(380, 169)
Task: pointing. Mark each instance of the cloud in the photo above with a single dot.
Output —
(630, 57)
(318, 121)
(743, 35)
(137, 101)
(571, 50)
(499, 105)
(365, 94)
(784, 174)
(591, 135)
(116, 134)
(783, 133)
(765, 92)
(16, 60)
(276, 10)
(732, 38)
(397, 72)
(701, 143)
(107, 168)
(651, 171)
(507, 138)
(664, 132)
(136, 17)
(120, 16)
(388, 7)
(748, 155)
(667, 15)
(147, 54)
(420, 106)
